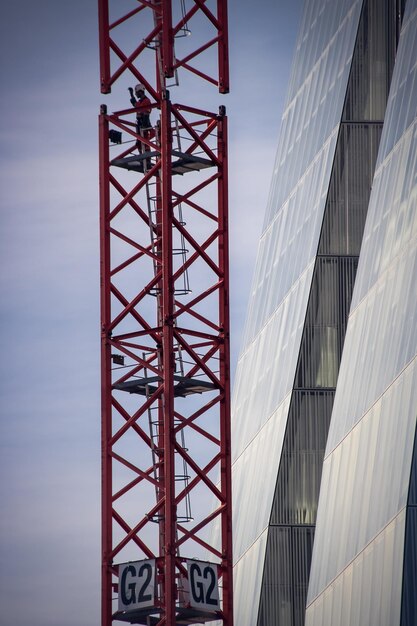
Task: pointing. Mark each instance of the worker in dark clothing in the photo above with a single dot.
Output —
(143, 104)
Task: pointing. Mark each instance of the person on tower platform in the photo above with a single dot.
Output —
(143, 122)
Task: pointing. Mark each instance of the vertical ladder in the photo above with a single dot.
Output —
(152, 191)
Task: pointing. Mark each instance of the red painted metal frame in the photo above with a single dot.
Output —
(153, 326)
(166, 31)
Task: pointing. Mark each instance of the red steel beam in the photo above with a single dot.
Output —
(106, 382)
(164, 30)
(143, 319)
(224, 316)
(163, 331)
(168, 366)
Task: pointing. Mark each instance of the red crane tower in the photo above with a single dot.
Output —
(166, 465)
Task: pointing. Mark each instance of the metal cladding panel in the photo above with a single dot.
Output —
(325, 323)
(412, 494)
(373, 61)
(261, 382)
(321, 23)
(314, 109)
(304, 157)
(254, 481)
(385, 290)
(409, 599)
(277, 598)
(298, 483)
(375, 573)
(348, 197)
(283, 276)
(357, 567)
(395, 167)
(286, 577)
(364, 482)
(289, 244)
(248, 574)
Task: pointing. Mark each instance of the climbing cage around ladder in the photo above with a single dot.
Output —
(166, 506)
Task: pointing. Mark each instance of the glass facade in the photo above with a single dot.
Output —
(364, 564)
(281, 288)
(298, 314)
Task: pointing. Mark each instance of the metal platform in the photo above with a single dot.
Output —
(184, 162)
(183, 617)
(183, 387)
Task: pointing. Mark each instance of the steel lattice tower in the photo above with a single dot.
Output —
(164, 322)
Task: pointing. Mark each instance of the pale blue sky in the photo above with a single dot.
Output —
(49, 382)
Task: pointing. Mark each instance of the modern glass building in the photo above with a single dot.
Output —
(339, 141)
(364, 568)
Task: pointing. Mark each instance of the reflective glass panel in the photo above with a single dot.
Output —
(368, 590)
(373, 61)
(290, 242)
(365, 480)
(247, 582)
(325, 323)
(350, 187)
(287, 566)
(402, 108)
(262, 381)
(315, 106)
(254, 476)
(409, 600)
(297, 490)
